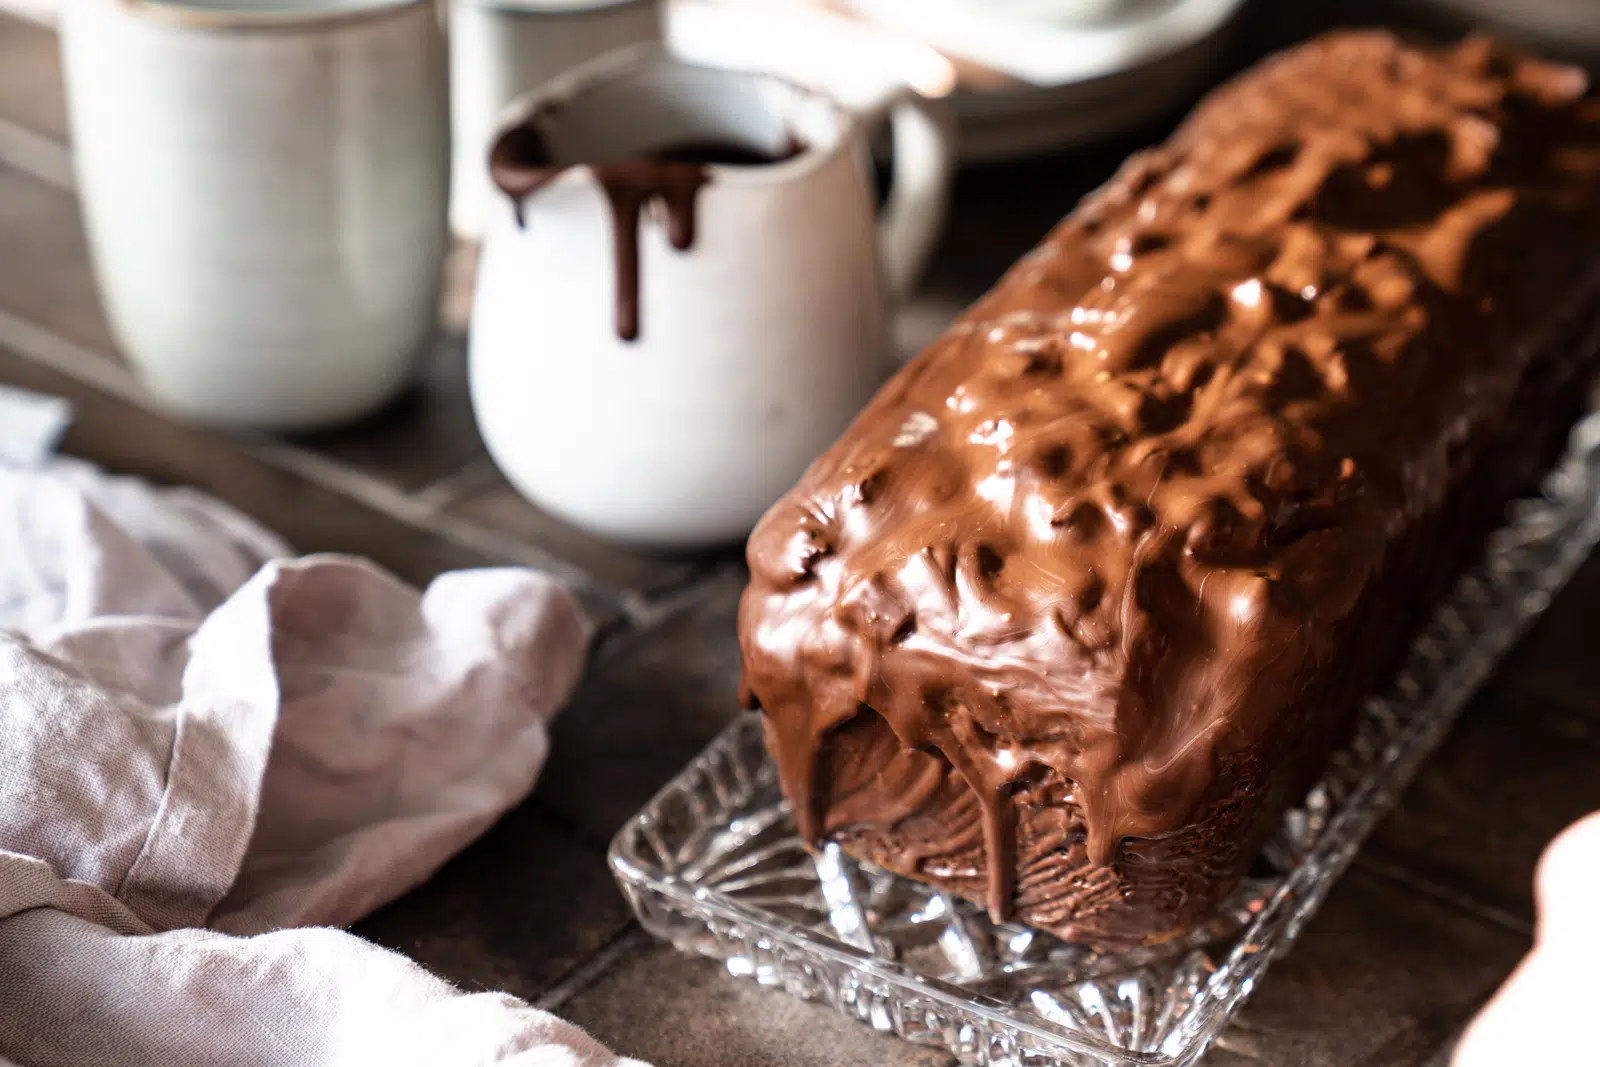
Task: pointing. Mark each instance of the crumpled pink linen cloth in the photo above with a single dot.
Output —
(210, 752)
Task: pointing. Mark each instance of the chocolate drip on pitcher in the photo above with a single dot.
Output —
(629, 187)
(521, 163)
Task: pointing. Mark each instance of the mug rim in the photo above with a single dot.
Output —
(621, 62)
(181, 15)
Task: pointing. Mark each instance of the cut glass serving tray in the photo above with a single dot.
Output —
(713, 863)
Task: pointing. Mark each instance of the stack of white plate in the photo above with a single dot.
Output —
(1030, 75)
(1568, 25)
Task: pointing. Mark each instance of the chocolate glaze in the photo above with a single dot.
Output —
(1087, 595)
(521, 163)
(726, 153)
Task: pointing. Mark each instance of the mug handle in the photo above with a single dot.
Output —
(922, 136)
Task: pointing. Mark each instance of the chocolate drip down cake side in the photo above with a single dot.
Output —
(1088, 595)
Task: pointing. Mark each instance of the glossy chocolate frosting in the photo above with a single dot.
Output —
(1087, 594)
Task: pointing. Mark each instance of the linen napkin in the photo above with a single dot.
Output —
(209, 749)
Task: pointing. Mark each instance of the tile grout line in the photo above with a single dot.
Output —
(452, 488)
(36, 155)
(70, 358)
(375, 494)
(1407, 878)
(675, 597)
(1569, 710)
(643, 611)
(592, 969)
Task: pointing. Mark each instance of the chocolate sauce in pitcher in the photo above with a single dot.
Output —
(671, 175)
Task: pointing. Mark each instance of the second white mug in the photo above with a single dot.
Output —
(264, 186)
(500, 49)
(684, 298)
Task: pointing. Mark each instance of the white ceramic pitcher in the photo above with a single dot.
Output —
(756, 344)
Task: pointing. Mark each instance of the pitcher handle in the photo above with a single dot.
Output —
(922, 136)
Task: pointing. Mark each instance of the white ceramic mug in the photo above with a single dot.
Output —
(265, 184)
(500, 49)
(757, 344)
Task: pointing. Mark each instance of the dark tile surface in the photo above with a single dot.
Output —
(514, 912)
(1339, 1000)
(31, 92)
(650, 701)
(1555, 664)
(428, 433)
(1381, 976)
(679, 1011)
(44, 263)
(1482, 808)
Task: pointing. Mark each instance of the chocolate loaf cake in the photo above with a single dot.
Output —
(1089, 593)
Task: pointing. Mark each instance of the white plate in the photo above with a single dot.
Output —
(1044, 83)
(1049, 45)
(1007, 124)
(1572, 23)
